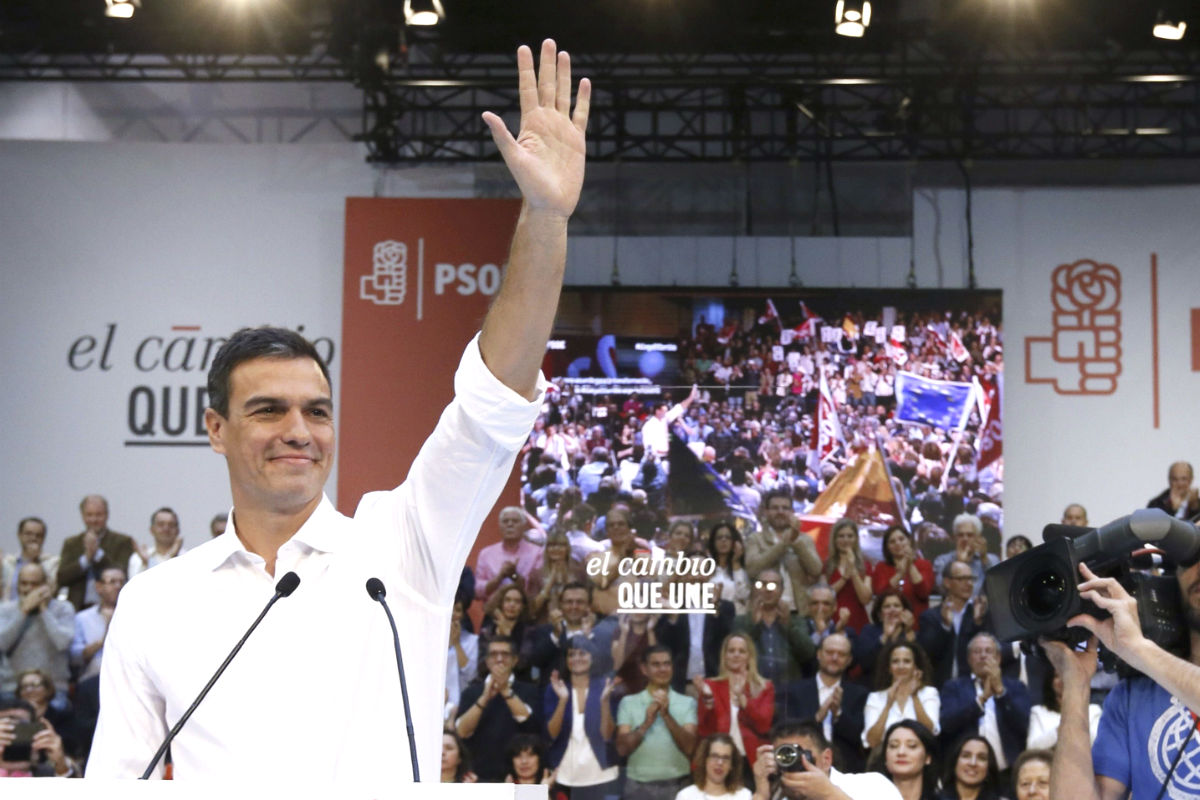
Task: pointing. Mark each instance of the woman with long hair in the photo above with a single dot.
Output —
(716, 771)
(739, 701)
(456, 759)
(904, 570)
(547, 578)
(726, 548)
(506, 613)
(580, 727)
(892, 620)
(848, 572)
(902, 676)
(971, 771)
(909, 757)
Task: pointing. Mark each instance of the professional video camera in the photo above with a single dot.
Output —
(1035, 593)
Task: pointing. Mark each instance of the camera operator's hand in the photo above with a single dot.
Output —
(1121, 633)
(812, 782)
(1076, 669)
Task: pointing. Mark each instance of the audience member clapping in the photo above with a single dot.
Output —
(506, 615)
(496, 708)
(904, 570)
(969, 771)
(581, 725)
(824, 615)
(739, 701)
(35, 630)
(726, 548)
(987, 703)
(848, 573)
(716, 771)
(31, 534)
(902, 692)
(909, 758)
(945, 630)
(970, 548)
(785, 646)
(891, 621)
(832, 701)
(548, 577)
(656, 732)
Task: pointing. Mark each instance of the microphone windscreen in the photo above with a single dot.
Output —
(287, 584)
(375, 588)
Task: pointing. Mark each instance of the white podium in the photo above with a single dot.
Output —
(289, 788)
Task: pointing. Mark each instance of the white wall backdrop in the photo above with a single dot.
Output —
(151, 237)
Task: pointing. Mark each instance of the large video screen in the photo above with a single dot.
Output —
(881, 406)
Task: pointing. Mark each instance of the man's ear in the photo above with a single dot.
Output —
(826, 759)
(215, 424)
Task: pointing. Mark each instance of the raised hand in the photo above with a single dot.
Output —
(1122, 631)
(547, 156)
(560, 688)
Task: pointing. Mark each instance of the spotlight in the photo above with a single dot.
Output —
(1164, 28)
(423, 12)
(120, 9)
(852, 17)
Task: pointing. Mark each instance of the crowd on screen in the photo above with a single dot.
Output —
(883, 670)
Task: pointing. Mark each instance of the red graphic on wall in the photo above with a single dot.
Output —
(1082, 355)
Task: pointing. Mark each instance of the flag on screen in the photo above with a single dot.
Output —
(942, 404)
(990, 440)
(771, 315)
(957, 350)
(827, 432)
(808, 328)
(861, 491)
(694, 488)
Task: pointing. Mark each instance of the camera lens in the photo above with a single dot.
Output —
(1045, 594)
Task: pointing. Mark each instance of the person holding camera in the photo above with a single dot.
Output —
(29, 748)
(798, 765)
(1147, 733)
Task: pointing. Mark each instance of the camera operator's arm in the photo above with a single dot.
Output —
(1122, 633)
(1072, 776)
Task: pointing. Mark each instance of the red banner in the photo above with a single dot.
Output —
(418, 278)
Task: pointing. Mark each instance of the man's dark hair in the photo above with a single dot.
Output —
(656, 648)
(8, 702)
(166, 510)
(38, 520)
(501, 639)
(771, 495)
(576, 585)
(251, 343)
(808, 728)
(581, 515)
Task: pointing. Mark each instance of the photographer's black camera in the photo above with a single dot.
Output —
(1035, 593)
(790, 757)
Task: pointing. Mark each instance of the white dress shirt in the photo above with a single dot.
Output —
(314, 694)
(931, 701)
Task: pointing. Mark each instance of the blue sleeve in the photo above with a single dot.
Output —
(1110, 751)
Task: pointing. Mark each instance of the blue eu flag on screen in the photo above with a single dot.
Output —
(943, 404)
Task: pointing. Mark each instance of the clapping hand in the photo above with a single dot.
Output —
(559, 687)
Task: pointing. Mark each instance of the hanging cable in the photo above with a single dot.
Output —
(733, 271)
(794, 276)
(911, 281)
(962, 166)
(833, 206)
(615, 278)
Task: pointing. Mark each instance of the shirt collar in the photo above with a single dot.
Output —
(317, 533)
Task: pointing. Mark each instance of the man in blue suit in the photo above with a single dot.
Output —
(985, 703)
(835, 703)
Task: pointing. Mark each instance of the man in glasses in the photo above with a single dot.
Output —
(946, 630)
(784, 646)
(493, 710)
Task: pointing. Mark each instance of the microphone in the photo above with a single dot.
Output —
(376, 591)
(287, 584)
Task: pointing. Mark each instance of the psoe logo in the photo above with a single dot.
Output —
(1082, 355)
(388, 281)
